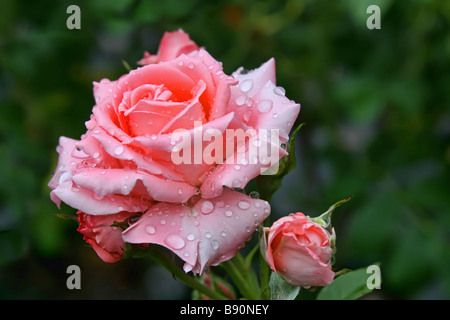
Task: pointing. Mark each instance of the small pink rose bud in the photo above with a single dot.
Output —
(300, 249)
(106, 239)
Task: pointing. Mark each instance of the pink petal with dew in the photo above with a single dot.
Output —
(205, 234)
(87, 201)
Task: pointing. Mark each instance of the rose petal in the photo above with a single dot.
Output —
(88, 202)
(105, 239)
(247, 162)
(66, 161)
(210, 232)
(171, 46)
(301, 266)
(121, 181)
(260, 103)
(124, 152)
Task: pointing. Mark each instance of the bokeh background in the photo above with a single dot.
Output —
(375, 104)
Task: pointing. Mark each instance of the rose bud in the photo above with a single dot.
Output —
(300, 249)
(105, 238)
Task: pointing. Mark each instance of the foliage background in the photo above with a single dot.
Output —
(375, 104)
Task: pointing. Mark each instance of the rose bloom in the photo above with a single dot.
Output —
(300, 250)
(123, 163)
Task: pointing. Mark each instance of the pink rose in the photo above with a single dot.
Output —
(99, 232)
(300, 250)
(125, 160)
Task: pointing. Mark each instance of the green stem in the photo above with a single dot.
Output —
(161, 258)
(239, 279)
(264, 272)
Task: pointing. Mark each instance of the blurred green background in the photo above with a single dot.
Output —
(375, 104)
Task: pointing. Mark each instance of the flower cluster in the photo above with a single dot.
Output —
(179, 104)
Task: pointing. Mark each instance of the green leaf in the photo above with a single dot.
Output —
(349, 286)
(280, 289)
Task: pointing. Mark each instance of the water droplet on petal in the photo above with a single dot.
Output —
(240, 100)
(118, 150)
(257, 143)
(254, 195)
(243, 204)
(207, 207)
(175, 241)
(190, 237)
(265, 106)
(236, 183)
(215, 244)
(279, 91)
(179, 191)
(246, 85)
(163, 222)
(150, 229)
(187, 267)
(208, 235)
(228, 213)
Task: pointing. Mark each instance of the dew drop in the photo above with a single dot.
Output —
(236, 183)
(215, 244)
(279, 91)
(190, 237)
(265, 106)
(257, 143)
(240, 100)
(96, 155)
(150, 229)
(207, 207)
(175, 241)
(208, 235)
(118, 150)
(254, 195)
(179, 191)
(163, 222)
(187, 267)
(246, 85)
(243, 204)
(228, 213)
